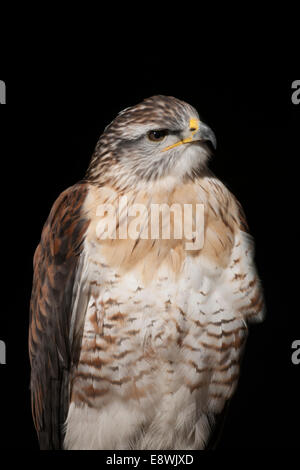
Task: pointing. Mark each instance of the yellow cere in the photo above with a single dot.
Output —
(194, 126)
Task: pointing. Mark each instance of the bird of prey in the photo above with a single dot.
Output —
(136, 342)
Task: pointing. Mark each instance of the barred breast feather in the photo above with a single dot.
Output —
(164, 328)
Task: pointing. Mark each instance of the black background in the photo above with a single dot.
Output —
(49, 128)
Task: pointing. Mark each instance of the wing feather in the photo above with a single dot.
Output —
(56, 266)
(244, 292)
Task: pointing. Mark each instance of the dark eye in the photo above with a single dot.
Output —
(157, 136)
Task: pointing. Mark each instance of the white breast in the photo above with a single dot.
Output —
(156, 359)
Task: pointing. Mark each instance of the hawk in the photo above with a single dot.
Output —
(136, 343)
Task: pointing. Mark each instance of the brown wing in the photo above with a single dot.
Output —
(56, 264)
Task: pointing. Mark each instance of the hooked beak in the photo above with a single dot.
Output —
(198, 133)
(206, 134)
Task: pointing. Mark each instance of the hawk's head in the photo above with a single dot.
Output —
(162, 136)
